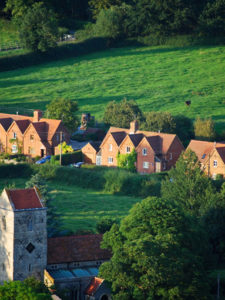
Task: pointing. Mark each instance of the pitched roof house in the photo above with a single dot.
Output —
(155, 151)
(211, 156)
(34, 136)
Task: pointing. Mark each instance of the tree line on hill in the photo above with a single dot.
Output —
(115, 18)
(120, 114)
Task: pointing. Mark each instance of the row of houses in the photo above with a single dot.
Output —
(33, 136)
(155, 151)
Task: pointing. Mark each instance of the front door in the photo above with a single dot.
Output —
(98, 160)
(42, 152)
(158, 167)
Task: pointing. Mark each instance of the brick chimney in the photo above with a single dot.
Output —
(134, 126)
(37, 115)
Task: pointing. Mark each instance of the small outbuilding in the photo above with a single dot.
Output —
(89, 152)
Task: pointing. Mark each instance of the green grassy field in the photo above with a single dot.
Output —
(158, 78)
(80, 209)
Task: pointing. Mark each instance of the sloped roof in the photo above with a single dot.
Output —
(221, 151)
(76, 248)
(15, 117)
(166, 138)
(203, 148)
(22, 124)
(96, 145)
(155, 142)
(24, 198)
(118, 137)
(136, 138)
(93, 286)
(6, 122)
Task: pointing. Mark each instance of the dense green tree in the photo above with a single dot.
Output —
(110, 22)
(212, 19)
(98, 5)
(29, 289)
(204, 129)
(157, 253)
(18, 8)
(188, 185)
(184, 128)
(127, 161)
(63, 109)
(121, 113)
(105, 224)
(38, 28)
(158, 121)
(53, 219)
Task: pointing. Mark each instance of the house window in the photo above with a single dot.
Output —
(14, 135)
(171, 156)
(14, 149)
(110, 160)
(128, 149)
(3, 267)
(31, 137)
(215, 163)
(144, 151)
(110, 147)
(164, 166)
(4, 222)
(145, 165)
(29, 267)
(29, 225)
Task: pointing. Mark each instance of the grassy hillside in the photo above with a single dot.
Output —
(158, 78)
(80, 209)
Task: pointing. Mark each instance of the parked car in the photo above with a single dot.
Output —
(43, 160)
(77, 165)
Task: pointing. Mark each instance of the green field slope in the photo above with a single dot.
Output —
(158, 78)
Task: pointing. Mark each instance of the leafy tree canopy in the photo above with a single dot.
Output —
(98, 5)
(63, 109)
(189, 186)
(127, 161)
(29, 289)
(184, 128)
(37, 28)
(120, 114)
(157, 253)
(159, 121)
(204, 129)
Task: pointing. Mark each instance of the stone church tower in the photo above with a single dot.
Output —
(23, 235)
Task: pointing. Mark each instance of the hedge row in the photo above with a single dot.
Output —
(70, 158)
(14, 171)
(114, 181)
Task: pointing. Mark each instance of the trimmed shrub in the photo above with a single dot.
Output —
(14, 171)
(70, 158)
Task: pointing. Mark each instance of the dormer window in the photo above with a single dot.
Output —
(110, 147)
(215, 163)
(144, 151)
(14, 135)
(128, 149)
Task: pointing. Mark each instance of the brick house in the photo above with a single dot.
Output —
(156, 151)
(90, 151)
(211, 156)
(33, 136)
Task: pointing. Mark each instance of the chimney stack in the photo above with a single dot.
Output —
(133, 126)
(37, 115)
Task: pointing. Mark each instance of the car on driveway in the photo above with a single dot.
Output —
(77, 165)
(43, 160)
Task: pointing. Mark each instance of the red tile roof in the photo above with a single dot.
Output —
(76, 248)
(24, 198)
(93, 286)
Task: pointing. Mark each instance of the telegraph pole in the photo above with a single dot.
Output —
(60, 148)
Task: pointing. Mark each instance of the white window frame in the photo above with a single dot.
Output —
(128, 149)
(14, 148)
(145, 165)
(215, 163)
(14, 135)
(110, 147)
(110, 160)
(144, 151)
